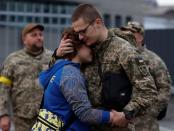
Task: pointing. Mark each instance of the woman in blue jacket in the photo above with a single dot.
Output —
(65, 104)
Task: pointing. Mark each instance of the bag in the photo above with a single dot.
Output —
(47, 121)
(116, 90)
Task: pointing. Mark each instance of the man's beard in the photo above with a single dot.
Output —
(36, 48)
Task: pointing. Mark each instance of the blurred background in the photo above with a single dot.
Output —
(156, 15)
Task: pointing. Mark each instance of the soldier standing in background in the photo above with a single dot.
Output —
(18, 80)
(134, 33)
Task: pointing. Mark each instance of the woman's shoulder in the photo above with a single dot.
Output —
(70, 71)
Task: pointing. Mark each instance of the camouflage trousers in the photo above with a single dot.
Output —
(23, 124)
(109, 128)
(146, 123)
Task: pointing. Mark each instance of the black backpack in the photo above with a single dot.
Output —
(116, 89)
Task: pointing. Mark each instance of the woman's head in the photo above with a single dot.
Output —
(80, 49)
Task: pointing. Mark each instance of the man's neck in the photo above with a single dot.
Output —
(104, 34)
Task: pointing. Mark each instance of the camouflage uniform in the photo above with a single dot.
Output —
(162, 80)
(18, 80)
(114, 54)
(163, 83)
(127, 35)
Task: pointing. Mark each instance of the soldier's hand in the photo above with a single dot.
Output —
(118, 119)
(5, 123)
(65, 47)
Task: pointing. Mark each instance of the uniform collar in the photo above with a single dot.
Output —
(128, 36)
(100, 46)
(141, 49)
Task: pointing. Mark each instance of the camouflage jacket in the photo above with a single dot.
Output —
(18, 80)
(162, 78)
(158, 70)
(128, 36)
(114, 54)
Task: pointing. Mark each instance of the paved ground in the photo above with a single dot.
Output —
(167, 124)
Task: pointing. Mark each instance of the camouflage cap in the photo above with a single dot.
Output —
(29, 27)
(126, 28)
(137, 26)
(134, 27)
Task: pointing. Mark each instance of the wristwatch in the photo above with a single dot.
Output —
(129, 115)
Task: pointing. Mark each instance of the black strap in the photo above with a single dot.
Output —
(54, 58)
(99, 68)
(47, 123)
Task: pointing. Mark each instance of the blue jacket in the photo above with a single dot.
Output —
(66, 95)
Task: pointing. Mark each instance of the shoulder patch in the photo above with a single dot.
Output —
(141, 65)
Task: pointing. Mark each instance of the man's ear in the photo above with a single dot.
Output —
(99, 21)
(141, 37)
(23, 40)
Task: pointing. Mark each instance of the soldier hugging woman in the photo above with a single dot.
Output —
(65, 104)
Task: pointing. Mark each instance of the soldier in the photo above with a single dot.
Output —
(157, 69)
(18, 80)
(112, 55)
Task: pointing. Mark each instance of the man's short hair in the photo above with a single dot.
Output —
(87, 12)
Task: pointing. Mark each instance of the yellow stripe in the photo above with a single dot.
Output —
(5, 81)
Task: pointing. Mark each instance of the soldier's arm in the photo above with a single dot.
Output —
(4, 100)
(5, 86)
(163, 82)
(4, 112)
(144, 89)
(54, 58)
(64, 48)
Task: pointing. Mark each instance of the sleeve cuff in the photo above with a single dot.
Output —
(3, 114)
(105, 117)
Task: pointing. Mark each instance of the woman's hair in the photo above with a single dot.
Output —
(69, 33)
